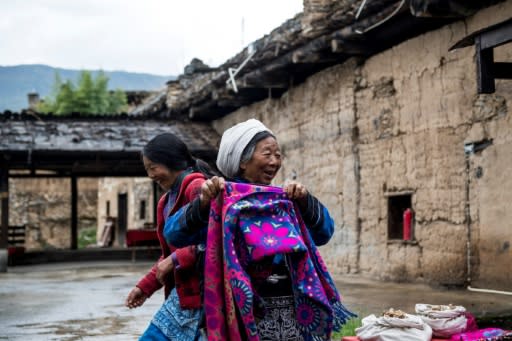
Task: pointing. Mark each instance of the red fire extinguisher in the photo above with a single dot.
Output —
(407, 224)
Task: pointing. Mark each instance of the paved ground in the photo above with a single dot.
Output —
(84, 301)
(72, 301)
(367, 296)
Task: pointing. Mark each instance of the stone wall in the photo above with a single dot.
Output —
(44, 206)
(356, 135)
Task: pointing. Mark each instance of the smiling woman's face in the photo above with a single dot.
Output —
(264, 163)
(159, 173)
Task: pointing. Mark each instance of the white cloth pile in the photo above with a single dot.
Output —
(394, 327)
(445, 320)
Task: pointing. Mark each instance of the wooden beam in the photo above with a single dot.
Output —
(260, 81)
(497, 36)
(199, 110)
(444, 8)
(312, 51)
(357, 31)
(238, 101)
(74, 213)
(351, 47)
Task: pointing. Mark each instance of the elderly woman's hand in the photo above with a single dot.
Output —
(296, 191)
(210, 189)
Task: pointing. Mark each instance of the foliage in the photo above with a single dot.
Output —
(89, 96)
(349, 329)
(86, 236)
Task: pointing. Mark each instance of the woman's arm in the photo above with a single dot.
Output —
(149, 283)
(318, 220)
(315, 215)
(187, 226)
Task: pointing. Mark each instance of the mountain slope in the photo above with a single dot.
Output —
(17, 81)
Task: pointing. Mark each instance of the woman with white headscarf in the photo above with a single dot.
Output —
(249, 153)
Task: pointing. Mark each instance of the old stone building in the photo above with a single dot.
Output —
(136, 195)
(375, 114)
(57, 174)
(43, 206)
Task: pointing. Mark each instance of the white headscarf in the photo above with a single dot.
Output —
(233, 142)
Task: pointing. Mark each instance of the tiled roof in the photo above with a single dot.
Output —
(54, 143)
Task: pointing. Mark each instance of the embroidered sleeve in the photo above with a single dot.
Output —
(317, 219)
(186, 226)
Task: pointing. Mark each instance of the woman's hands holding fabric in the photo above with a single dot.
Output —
(163, 269)
(135, 298)
(210, 189)
(296, 191)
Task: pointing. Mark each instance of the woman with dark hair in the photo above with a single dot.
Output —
(264, 277)
(169, 163)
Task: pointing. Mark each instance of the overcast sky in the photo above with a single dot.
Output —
(150, 36)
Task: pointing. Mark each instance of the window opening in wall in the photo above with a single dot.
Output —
(142, 209)
(400, 217)
(107, 208)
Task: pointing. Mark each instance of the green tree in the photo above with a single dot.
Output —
(101, 95)
(65, 101)
(89, 96)
(84, 96)
(117, 101)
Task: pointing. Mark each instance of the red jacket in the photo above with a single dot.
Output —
(186, 278)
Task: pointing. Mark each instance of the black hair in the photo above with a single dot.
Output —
(251, 146)
(169, 150)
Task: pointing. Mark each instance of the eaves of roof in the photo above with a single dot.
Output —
(303, 46)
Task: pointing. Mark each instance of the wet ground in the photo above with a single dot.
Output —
(85, 301)
(73, 301)
(367, 296)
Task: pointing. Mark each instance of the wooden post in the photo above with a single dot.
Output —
(74, 213)
(4, 198)
(484, 65)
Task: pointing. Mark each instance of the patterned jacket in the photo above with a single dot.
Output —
(186, 276)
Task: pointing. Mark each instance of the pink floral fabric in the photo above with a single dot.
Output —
(248, 225)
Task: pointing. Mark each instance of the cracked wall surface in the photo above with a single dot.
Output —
(356, 133)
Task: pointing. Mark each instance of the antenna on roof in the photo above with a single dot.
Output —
(251, 51)
(242, 33)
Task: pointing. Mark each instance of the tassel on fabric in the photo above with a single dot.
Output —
(341, 315)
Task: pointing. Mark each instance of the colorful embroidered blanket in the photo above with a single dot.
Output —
(247, 224)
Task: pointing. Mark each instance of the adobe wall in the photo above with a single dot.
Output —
(357, 134)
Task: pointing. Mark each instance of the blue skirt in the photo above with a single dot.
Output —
(171, 323)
